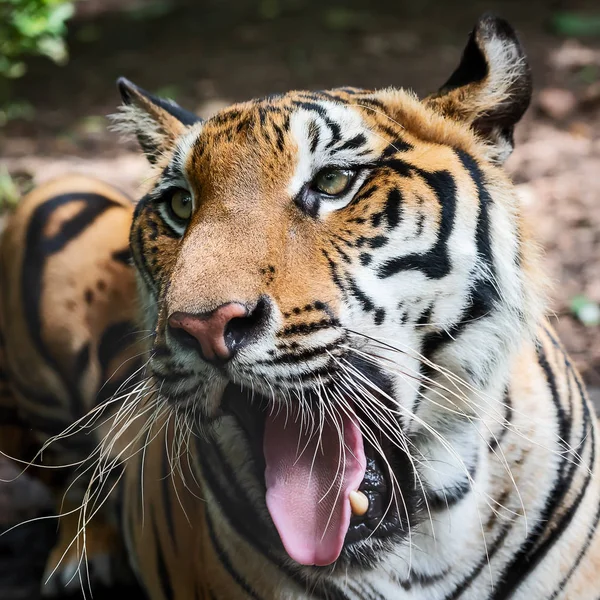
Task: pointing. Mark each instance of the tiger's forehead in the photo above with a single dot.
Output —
(255, 146)
(316, 129)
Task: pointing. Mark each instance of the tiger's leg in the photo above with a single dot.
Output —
(67, 309)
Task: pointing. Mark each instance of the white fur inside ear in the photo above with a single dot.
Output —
(130, 121)
(506, 66)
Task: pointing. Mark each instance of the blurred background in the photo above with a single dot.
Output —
(58, 65)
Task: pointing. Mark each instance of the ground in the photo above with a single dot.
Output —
(211, 53)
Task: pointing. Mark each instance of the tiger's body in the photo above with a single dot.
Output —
(554, 553)
(343, 296)
(69, 342)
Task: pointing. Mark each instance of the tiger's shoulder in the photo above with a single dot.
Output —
(67, 299)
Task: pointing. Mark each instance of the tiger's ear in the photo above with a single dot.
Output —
(156, 122)
(491, 87)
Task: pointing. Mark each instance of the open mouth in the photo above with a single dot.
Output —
(326, 488)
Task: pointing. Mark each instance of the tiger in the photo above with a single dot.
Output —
(67, 344)
(350, 389)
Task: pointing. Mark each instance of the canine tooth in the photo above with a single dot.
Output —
(359, 503)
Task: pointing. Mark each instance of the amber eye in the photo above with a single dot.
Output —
(181, 204)
(332, 182)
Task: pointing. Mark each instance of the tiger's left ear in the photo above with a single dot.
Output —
(491, 87)
(156, 122)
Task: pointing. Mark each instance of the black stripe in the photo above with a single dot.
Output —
(305, 328)
(377, 241)
(482, 236)
(481, 303)
(136, 243)
(123, 256)
(399, 166)
(468, 580)
(423, 580)
(341, 252)
(38, 249)
(379, 316)
(310, 106)
(279, 139)
(334, 272)
(364, 300)
(533, 550)
(313, 135)
(526, 560)
(225, 562)
(353, 144)
(560, 412)
(162, 572)
(508, 415)
(303, 355)
(365, 591)
(366, 190)
(393, 207)
(435, 263)
(336, 132)
(588, 540)
(115, 338)
(398, 145)
(425, 316)
(448, 497)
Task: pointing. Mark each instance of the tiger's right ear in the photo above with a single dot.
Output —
(155, 122)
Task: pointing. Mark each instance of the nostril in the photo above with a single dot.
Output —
(243, 330)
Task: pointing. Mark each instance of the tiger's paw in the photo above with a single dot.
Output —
(74, 575)
(69, 571)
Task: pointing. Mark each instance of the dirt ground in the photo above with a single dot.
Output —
(207, 54)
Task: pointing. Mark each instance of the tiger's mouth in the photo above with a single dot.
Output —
(310, 472)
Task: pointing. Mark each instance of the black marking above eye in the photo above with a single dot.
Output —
(313, 134)
(354, 143)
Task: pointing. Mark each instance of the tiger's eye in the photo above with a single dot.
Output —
(181, 204)
(332, 182)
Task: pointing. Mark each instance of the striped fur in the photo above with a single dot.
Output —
(414, 301)
(69, 342)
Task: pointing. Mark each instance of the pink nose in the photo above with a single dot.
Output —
(210, 330)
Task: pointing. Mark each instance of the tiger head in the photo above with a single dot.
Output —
(333, 281)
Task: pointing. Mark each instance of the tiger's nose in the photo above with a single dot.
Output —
(219, 334)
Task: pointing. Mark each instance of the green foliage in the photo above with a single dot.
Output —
(586, 310)
(29, 27)
(9, 192)
(13, 186)
(573, 24)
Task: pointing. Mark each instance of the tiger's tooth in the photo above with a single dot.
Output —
(359, 503)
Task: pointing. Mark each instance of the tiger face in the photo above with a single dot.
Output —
(329, 278)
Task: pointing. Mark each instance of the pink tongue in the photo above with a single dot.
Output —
(308, 485)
